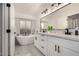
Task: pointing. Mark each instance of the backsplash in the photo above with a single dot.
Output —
(58, 31)
(62, 31)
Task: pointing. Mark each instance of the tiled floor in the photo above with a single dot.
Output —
(29, 50)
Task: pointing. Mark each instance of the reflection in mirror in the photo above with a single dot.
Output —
(73, 21)
(25, 27)
(43, 25)
(64, 18)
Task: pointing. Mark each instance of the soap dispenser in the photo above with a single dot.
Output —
(76, 31)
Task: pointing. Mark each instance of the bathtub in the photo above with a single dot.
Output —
(25, 40)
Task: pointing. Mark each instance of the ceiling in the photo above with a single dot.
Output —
(33, 9)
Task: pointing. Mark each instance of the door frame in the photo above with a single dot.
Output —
(4, 35)
(5, 28)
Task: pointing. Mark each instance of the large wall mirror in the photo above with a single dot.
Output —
(70, 22)
(63, 18)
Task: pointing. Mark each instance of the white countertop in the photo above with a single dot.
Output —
(69, 37)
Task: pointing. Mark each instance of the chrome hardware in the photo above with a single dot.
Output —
(55, 47)
(58, 49)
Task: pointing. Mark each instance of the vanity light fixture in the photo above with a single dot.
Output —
(55, 4)
(45, 11)
(59, 4)
(52, 4)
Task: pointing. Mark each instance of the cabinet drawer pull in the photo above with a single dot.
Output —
(42, 35)
(58, 49)
(42, 39)
(55, 47)
(42, 47)
(35, 38)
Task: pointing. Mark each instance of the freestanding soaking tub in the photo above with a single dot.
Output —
(25, 40)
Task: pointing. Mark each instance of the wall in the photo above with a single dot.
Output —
(17, 25)
(59, 18)
(0, 27)
(25, 16)
(12, 27)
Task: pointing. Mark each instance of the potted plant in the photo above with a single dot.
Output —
(50, 28)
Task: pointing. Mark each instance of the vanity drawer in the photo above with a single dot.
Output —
(43, 49)
(42, 39)
(53, 39)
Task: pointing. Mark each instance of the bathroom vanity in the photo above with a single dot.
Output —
(52, 44)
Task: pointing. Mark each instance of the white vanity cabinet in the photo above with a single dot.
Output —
(52, 49)
(68, 47)
(56, 46)
(63, 47)
(52, 46)
(67, 52)
(41, 43)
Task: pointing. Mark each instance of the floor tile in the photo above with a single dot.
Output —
(29, 50)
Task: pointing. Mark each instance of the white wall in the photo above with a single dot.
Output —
(26, 16)
(37, 25)
(17, 25)
(58, 18)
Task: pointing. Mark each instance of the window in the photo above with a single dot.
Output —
(25, 27)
